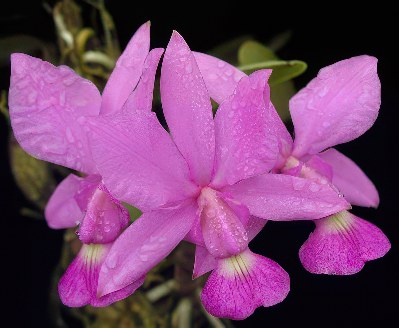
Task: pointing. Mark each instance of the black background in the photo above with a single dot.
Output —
(321, 35)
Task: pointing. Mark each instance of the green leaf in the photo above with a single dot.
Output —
(280, 94)
(228, 50)
(282, 70)
(33, 177)
(252, 52)
(134, 212)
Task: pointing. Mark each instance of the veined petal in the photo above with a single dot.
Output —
(138, 161)
(242, 283)
(141, 97)
(144, 244)
(341, 244)
(221, 78)
(280, 197)
(62, 210)
(78, 285)
(351, 180)
(127, 71)
(204, 262)
(187, 108)
(104, 218)
(245, 145)
(339, 105)
(48, 110)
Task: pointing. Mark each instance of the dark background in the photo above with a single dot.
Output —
(321, 36)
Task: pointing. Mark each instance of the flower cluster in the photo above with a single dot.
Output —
(213, 180)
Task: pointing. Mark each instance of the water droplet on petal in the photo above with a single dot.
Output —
(143, 257)
(112, 261)
(69, 135)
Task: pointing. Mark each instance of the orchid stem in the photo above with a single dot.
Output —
(182, 316)
(160, 291)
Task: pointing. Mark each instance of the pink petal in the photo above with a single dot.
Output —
(63, 210)
(104, 218)
(204, 262)
(138, 161)
(242, 283)
(224, 233)
(48, 106)
(339, 105)
(127, 71)
(280, 197)
(284, 138)
(220, 78)
(78, 285)
(141, 97)
(87, 187)
(245, 145)
(187, 108)
(351, 180)
(321, 168)
(254, 226)
(195, 236)
(341, 244)
(144, 244)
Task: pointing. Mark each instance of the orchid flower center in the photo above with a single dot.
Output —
(92, 254)
(294, 166)
(290, 163)
(338, 222)
(224, 233)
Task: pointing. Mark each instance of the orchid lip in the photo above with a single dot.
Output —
(224, 233)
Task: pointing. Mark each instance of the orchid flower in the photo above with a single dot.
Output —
(50, 108)
(339, 105)
(207, 182)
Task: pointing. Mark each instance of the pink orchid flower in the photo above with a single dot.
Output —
(339, 105)
(49, 109)
(207, 182)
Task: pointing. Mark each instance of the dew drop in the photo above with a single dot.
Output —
(81, 120)
(229, 72)
(189, 68)
(112, 261)
(69, 135)
(298, 184)
(143, 257)
(314, 187)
